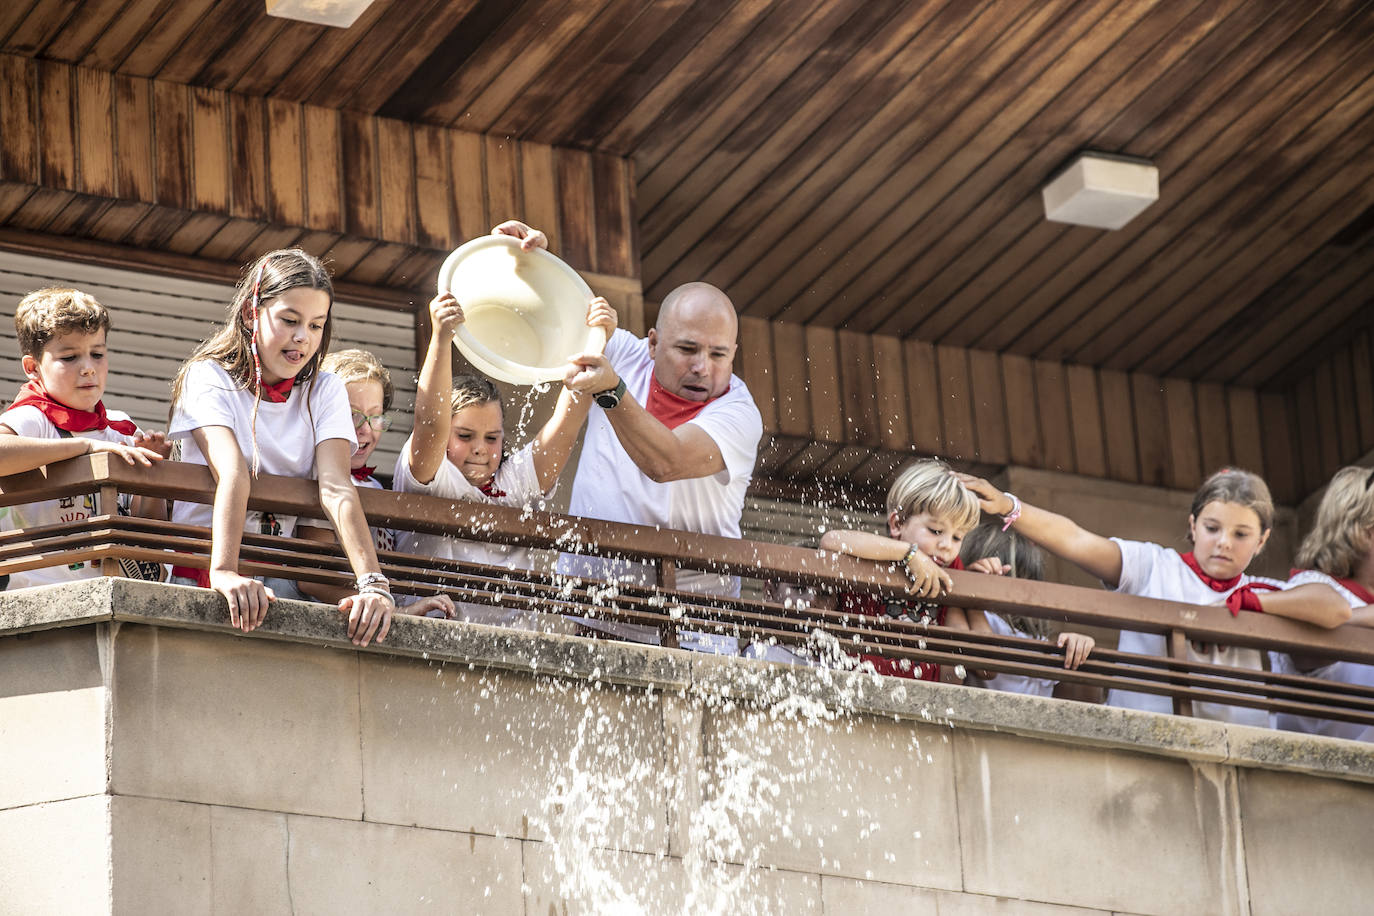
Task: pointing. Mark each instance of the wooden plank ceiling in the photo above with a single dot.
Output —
(875, 165)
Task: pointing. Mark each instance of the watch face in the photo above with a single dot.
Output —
(607, 399)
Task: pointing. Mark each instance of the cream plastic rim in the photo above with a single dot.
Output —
(525, 312)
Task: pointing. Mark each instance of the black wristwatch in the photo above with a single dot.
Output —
(611, 396)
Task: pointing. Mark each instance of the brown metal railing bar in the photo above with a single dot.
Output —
(996, 593)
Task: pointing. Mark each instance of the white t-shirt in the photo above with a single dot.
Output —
(287, 433)
(383, 538)
(29, 421)
(609, 485)
(1012, 683)
(1343, 672)
(517, 484)
(1152, 571)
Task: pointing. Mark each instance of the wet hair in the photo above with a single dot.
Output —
(360, 366)
(1232, 485)
(929, 486)
(1341, 534)
(232, 346)
(54, 311)
(472, 391)
(1027, 561)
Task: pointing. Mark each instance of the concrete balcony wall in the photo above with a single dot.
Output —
(152, 761)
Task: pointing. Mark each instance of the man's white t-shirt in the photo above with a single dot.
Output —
(610, 486)
(1152, 571)
(29, 421)
(1342, 672)
(287, 432)
(517, 484)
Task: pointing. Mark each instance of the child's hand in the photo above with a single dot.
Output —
(369, 615)
(1076, 647)
(445, 314)
(928, 580)
(133, 454)
(155, 441)
(433, 606)
(248, 598)
(990, 565)
(990, 499)
(590, 373)
(529, 237)
(601, 315)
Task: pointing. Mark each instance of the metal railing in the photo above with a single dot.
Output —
(107, 538)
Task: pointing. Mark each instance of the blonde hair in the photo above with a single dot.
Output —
(1027, 561)
(929, 486)
(1340, 536)
(472, 391)
(53, 311)
(232, 346)
(360, 366)
(1233, 485)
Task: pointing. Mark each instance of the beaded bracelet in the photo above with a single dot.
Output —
(1010, 518)
(373, 579)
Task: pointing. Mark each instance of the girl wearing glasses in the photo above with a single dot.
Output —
(370, 391)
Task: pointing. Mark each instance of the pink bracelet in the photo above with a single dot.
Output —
(1010, 518)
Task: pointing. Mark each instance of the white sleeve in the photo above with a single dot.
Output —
(448, 481)
(736, 426)
(619, 346)
(206, 400)
(518, 479)
(28, 421)
(1138, 561)
(330, 410)
(1313, 577)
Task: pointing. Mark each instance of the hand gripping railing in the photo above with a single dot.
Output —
(107, 538)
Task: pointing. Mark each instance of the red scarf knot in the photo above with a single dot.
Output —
(1215, 584)
(670, 409)
(1246, 599)
(489, 489)
(278, 392)
(362, 473)
(69, 418)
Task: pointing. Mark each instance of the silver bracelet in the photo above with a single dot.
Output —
(373, 579)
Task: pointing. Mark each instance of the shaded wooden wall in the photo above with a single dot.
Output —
(847, 404)
(220, 175)
(1331, 411)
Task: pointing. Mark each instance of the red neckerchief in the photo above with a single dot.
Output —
(489, 489)
(670, 409)
(1350, 585)
(1216, 585)
(362, 473)
(67, 418)
(278, 392)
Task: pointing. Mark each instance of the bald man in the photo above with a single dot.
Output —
(673, 444)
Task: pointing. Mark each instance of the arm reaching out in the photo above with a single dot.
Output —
(588, 374)
(248, 598)
(928, 580)
(1061, 536)
(369, 613)
(429, 440)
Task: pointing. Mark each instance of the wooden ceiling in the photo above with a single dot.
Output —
(876, 164)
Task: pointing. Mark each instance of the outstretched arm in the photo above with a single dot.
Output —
(586, 377)
(1313, 602)
(928, 580)
(248, 598)
(369, 613)
(433, 419)
(23, 453)
(1061, 536)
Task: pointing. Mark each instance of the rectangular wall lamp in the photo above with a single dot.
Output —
(1102, 190)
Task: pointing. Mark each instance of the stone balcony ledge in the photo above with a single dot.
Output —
(706, 678)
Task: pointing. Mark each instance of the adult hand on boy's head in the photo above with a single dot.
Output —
(445, 314)
(529, 237)
(590, 373)
(132, 454)
(155, 441)
(990, 499)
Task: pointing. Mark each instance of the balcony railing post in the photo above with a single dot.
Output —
(109, 505)
(1178, 649)
(667, 580)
